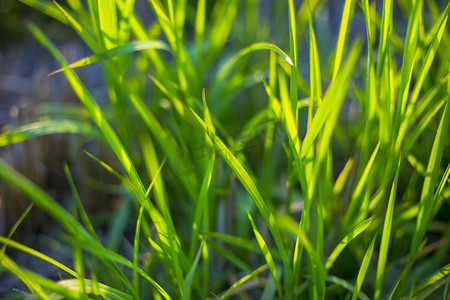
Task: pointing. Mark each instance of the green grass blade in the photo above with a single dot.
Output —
(108, 22)
(225, 69)
(136, 248)
(433, 279)
(234, 240)
(103, 289)
(347, 14)
(409, 55)
(361, 185)
(46, 127)
(345, 241)
(267, 255)
(332, 101)
(317, 266)
(47, 8)
(243, 280)
(25, 249)
(423, 73)
(384, 247)
(120, 50)
(42, 199)
(426, 209)
(187, 286)
(294, 54)
(386, 27)
(363, 269)
(83, 214)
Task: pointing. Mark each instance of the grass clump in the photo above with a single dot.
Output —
(246, 169)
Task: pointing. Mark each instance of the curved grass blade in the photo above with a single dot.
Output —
(104, 289)
(225, 69)
(47, 8)
(267, 255)
(345, 241)
(25, 249)
(46, 127)
(243, 280)
(433, 279)
(332, 101)
(363, 269)
(121, 50)
(426, 208)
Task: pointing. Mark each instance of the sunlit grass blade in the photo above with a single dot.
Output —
(103, 290)
(385, 238)
(25, 249)
(332, 101)
(47, 8)
(30, 282)
(361, 185)
(120, 50)
(294, 54)
(243, 280)
(433, 279)
(423, 73)
(342, 178)
(386, 27)
(267, 255)
(200, 30)
(345, 241)
(363, 269)
(225, 69)
(409, 55)
(108, 22)
(347, 14)
(47, 127)
(426, 209)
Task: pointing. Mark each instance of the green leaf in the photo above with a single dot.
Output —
(385, 238)
(345, 241)
(332, 101)
(46, 127)
(108, 22)
(124, 49)
(267, 255)
(363, 269)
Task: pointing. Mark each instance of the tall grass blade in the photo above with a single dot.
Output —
(360, 228)
(385, 238)
(267, 255)
(363, 269)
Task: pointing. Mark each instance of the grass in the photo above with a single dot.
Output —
(245, 171)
